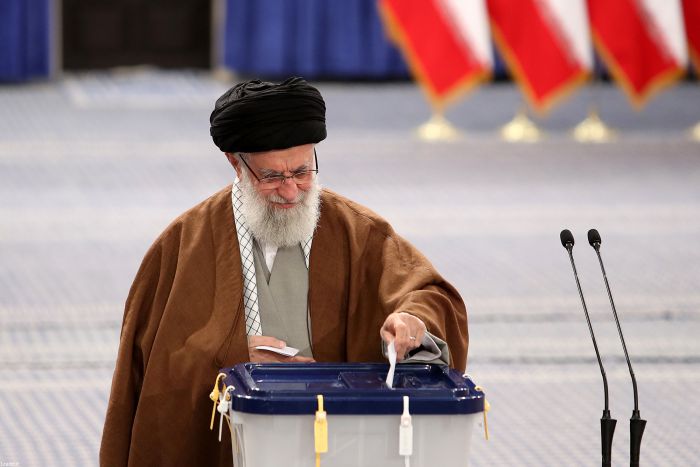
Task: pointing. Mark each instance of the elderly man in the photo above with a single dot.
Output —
(272, 260)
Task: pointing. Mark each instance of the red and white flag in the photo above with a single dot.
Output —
(691, 15)
(445, 43)
(546, 45)
(642, 42)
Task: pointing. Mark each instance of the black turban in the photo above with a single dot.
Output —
(256, 116)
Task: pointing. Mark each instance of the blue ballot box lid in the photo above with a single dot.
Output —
(350, 388)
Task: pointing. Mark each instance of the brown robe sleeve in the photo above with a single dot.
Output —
(408, 282)
(360, 272)
(142, 315)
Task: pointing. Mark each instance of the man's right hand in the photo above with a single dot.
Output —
(265, 356)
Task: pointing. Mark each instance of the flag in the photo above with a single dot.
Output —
(642, 43)
(445, 43)
(546, 45)
(691, 15)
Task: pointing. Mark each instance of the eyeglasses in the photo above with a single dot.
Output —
(300, 177)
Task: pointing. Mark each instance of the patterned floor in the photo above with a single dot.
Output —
(94, 166)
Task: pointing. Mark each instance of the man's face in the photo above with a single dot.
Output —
(283, 213)
(274, 163)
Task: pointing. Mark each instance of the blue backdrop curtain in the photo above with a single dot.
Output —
(24, 39)
(311, 38)
(337, 39)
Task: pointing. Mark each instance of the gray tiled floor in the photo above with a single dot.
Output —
(92, 167)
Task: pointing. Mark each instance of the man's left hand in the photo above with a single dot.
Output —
(405, 330)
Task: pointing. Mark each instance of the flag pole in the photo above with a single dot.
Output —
(593, 129)
(521, 129)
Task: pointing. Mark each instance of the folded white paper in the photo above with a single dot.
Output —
(391, 353)
(288, 351)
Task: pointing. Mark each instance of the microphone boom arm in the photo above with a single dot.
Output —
(590, 329)
(619, 331)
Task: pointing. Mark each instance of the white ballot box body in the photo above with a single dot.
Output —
(353, 440)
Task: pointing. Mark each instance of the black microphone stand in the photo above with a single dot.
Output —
(607, 424)
(637, 425)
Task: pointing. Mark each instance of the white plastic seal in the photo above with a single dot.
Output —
(406, 434)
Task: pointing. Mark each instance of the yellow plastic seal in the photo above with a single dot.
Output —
(487, 407)
(214, 395)
(320, 431)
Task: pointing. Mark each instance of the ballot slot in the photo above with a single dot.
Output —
(402, 380)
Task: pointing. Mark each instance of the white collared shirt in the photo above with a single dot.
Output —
(269, 252)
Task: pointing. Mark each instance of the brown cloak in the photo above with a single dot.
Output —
(184, 320)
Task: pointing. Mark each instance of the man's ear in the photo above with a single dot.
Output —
(233, 160)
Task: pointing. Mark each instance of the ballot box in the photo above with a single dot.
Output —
(336, 415)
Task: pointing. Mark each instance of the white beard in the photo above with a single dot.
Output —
(280, 227)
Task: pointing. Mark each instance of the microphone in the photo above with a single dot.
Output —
(607, 424)
(637, 425)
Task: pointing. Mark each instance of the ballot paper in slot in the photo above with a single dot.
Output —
(391, 355)
(274, 405)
